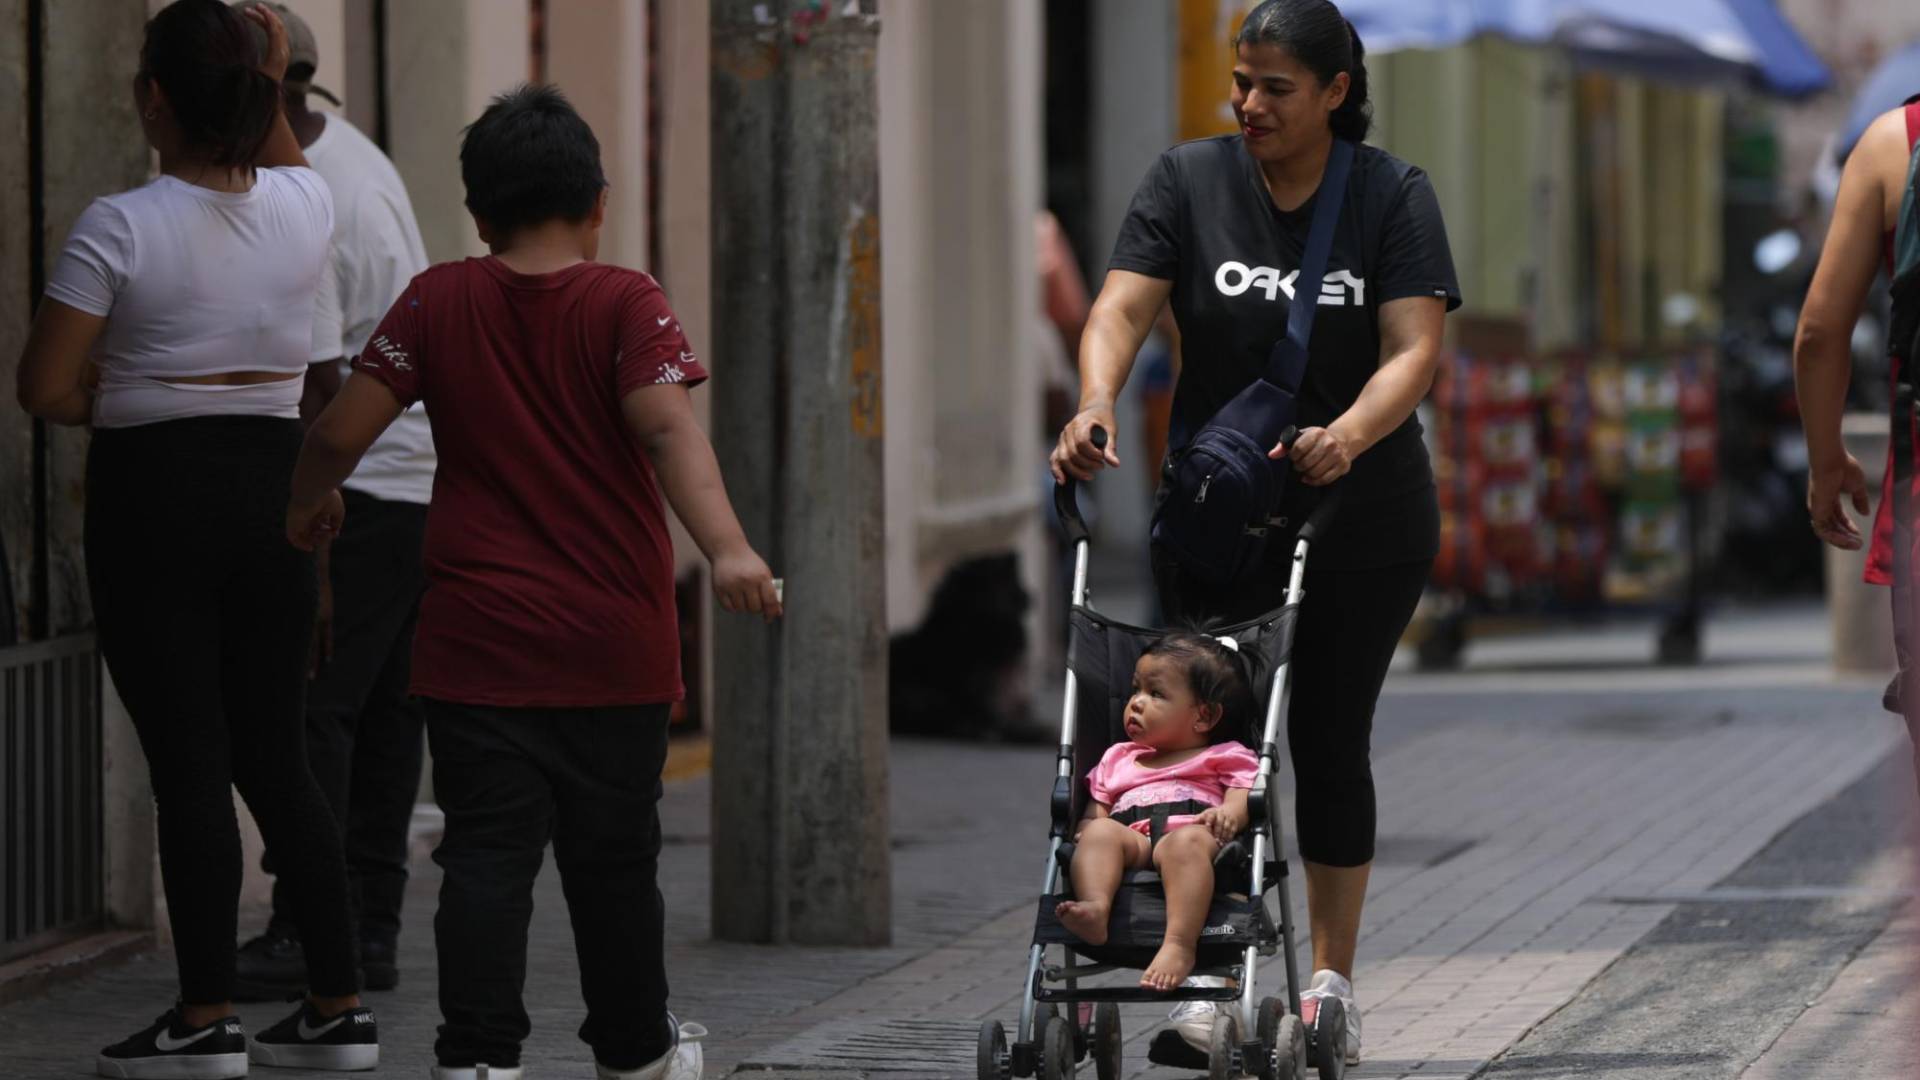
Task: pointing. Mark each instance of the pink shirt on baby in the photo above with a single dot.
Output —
(1122, 782)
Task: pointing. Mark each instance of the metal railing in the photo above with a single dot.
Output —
(50, 793)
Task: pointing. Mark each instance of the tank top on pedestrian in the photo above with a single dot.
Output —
(1880, 555)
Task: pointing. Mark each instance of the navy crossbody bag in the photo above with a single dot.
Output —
(1221, 488)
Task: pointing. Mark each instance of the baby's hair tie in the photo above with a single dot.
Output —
(1229, 643)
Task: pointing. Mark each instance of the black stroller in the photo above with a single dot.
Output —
(1262, 1036)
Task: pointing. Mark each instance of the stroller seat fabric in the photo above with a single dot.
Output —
(1102, 654)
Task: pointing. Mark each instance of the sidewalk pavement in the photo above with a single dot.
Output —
(1539, 814)
(1866, 1024)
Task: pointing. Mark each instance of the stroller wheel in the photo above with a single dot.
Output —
(1284, 1040)
(1327, 1042)
(995, 1062)
(1106, 1041)
(1056, 1050)
(1223, 1049)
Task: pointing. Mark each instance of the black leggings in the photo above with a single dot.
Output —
(205, 614)
(1350, 622)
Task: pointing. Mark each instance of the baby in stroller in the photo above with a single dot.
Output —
(1169, 796)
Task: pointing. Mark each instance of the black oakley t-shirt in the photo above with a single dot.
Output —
(1203, 219)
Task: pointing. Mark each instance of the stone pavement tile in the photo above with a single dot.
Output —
(1538, 891)
(747, 995)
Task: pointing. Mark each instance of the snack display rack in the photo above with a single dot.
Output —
(1575, 484)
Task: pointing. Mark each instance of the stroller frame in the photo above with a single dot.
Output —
(1262, 1037)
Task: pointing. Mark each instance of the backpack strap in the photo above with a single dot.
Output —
(1906, 233)
(1287, 364)
(1906, 289)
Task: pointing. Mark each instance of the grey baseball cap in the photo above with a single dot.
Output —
(305, 53)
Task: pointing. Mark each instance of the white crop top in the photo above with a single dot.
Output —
(199, 282)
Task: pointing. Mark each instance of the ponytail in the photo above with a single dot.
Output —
(1354, 118)
(203, 57)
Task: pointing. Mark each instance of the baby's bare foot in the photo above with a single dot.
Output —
(1086, 919)
(1170, 967)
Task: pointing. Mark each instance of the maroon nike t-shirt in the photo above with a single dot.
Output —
(549, 565)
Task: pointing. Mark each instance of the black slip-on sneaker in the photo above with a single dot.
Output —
(170, 1050)
(349, 1042)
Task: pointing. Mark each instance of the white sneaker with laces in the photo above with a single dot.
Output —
(1328, 983)
(683, 1062)
(1194, 1019)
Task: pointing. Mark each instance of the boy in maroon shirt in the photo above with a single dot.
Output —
(547, 651)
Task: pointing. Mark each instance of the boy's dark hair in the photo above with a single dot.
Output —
(530, 159)
(1216, 674)
(1325, 43)
(202, 56)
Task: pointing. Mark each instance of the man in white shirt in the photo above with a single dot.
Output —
(364, 735)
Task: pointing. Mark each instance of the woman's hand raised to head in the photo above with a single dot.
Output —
(1076, 455)
(279, 53)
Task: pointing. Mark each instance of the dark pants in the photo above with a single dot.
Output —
(509, 780)
(363, 731)
(204, 614)
(1350, 623)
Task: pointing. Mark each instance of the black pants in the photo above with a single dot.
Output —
(364, 733)
(1350, 623)
(204, 614)
(509, 780)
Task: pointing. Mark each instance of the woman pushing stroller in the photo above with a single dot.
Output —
(1219, 228)
(1190, 697)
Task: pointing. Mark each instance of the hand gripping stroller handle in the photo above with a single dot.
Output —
(1066, 502)
(1323, 514)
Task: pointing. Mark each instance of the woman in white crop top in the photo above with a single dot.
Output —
(177, 323)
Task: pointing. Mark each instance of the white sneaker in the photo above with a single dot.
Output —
(1328, 983)
(476, 1072)
(1194, 1019)
(683, 1062)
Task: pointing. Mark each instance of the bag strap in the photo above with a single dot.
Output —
(1287, 364)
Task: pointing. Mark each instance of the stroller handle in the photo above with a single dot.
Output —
(1323, 513)
(1066, 499)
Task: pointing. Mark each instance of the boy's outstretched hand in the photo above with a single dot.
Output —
(744, 584)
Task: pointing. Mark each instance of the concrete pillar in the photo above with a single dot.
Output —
(16, 309)
(1861, 615)
(800, 747)
(445, 60)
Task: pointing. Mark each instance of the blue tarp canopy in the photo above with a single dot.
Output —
(1891, 84)
(1672, 40)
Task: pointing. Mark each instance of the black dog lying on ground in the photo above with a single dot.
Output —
(962, 672)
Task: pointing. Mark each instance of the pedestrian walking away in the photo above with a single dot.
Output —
(1219, 226)
(364, 733)
(194, 294)
(547, 649)
(1875, 205)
